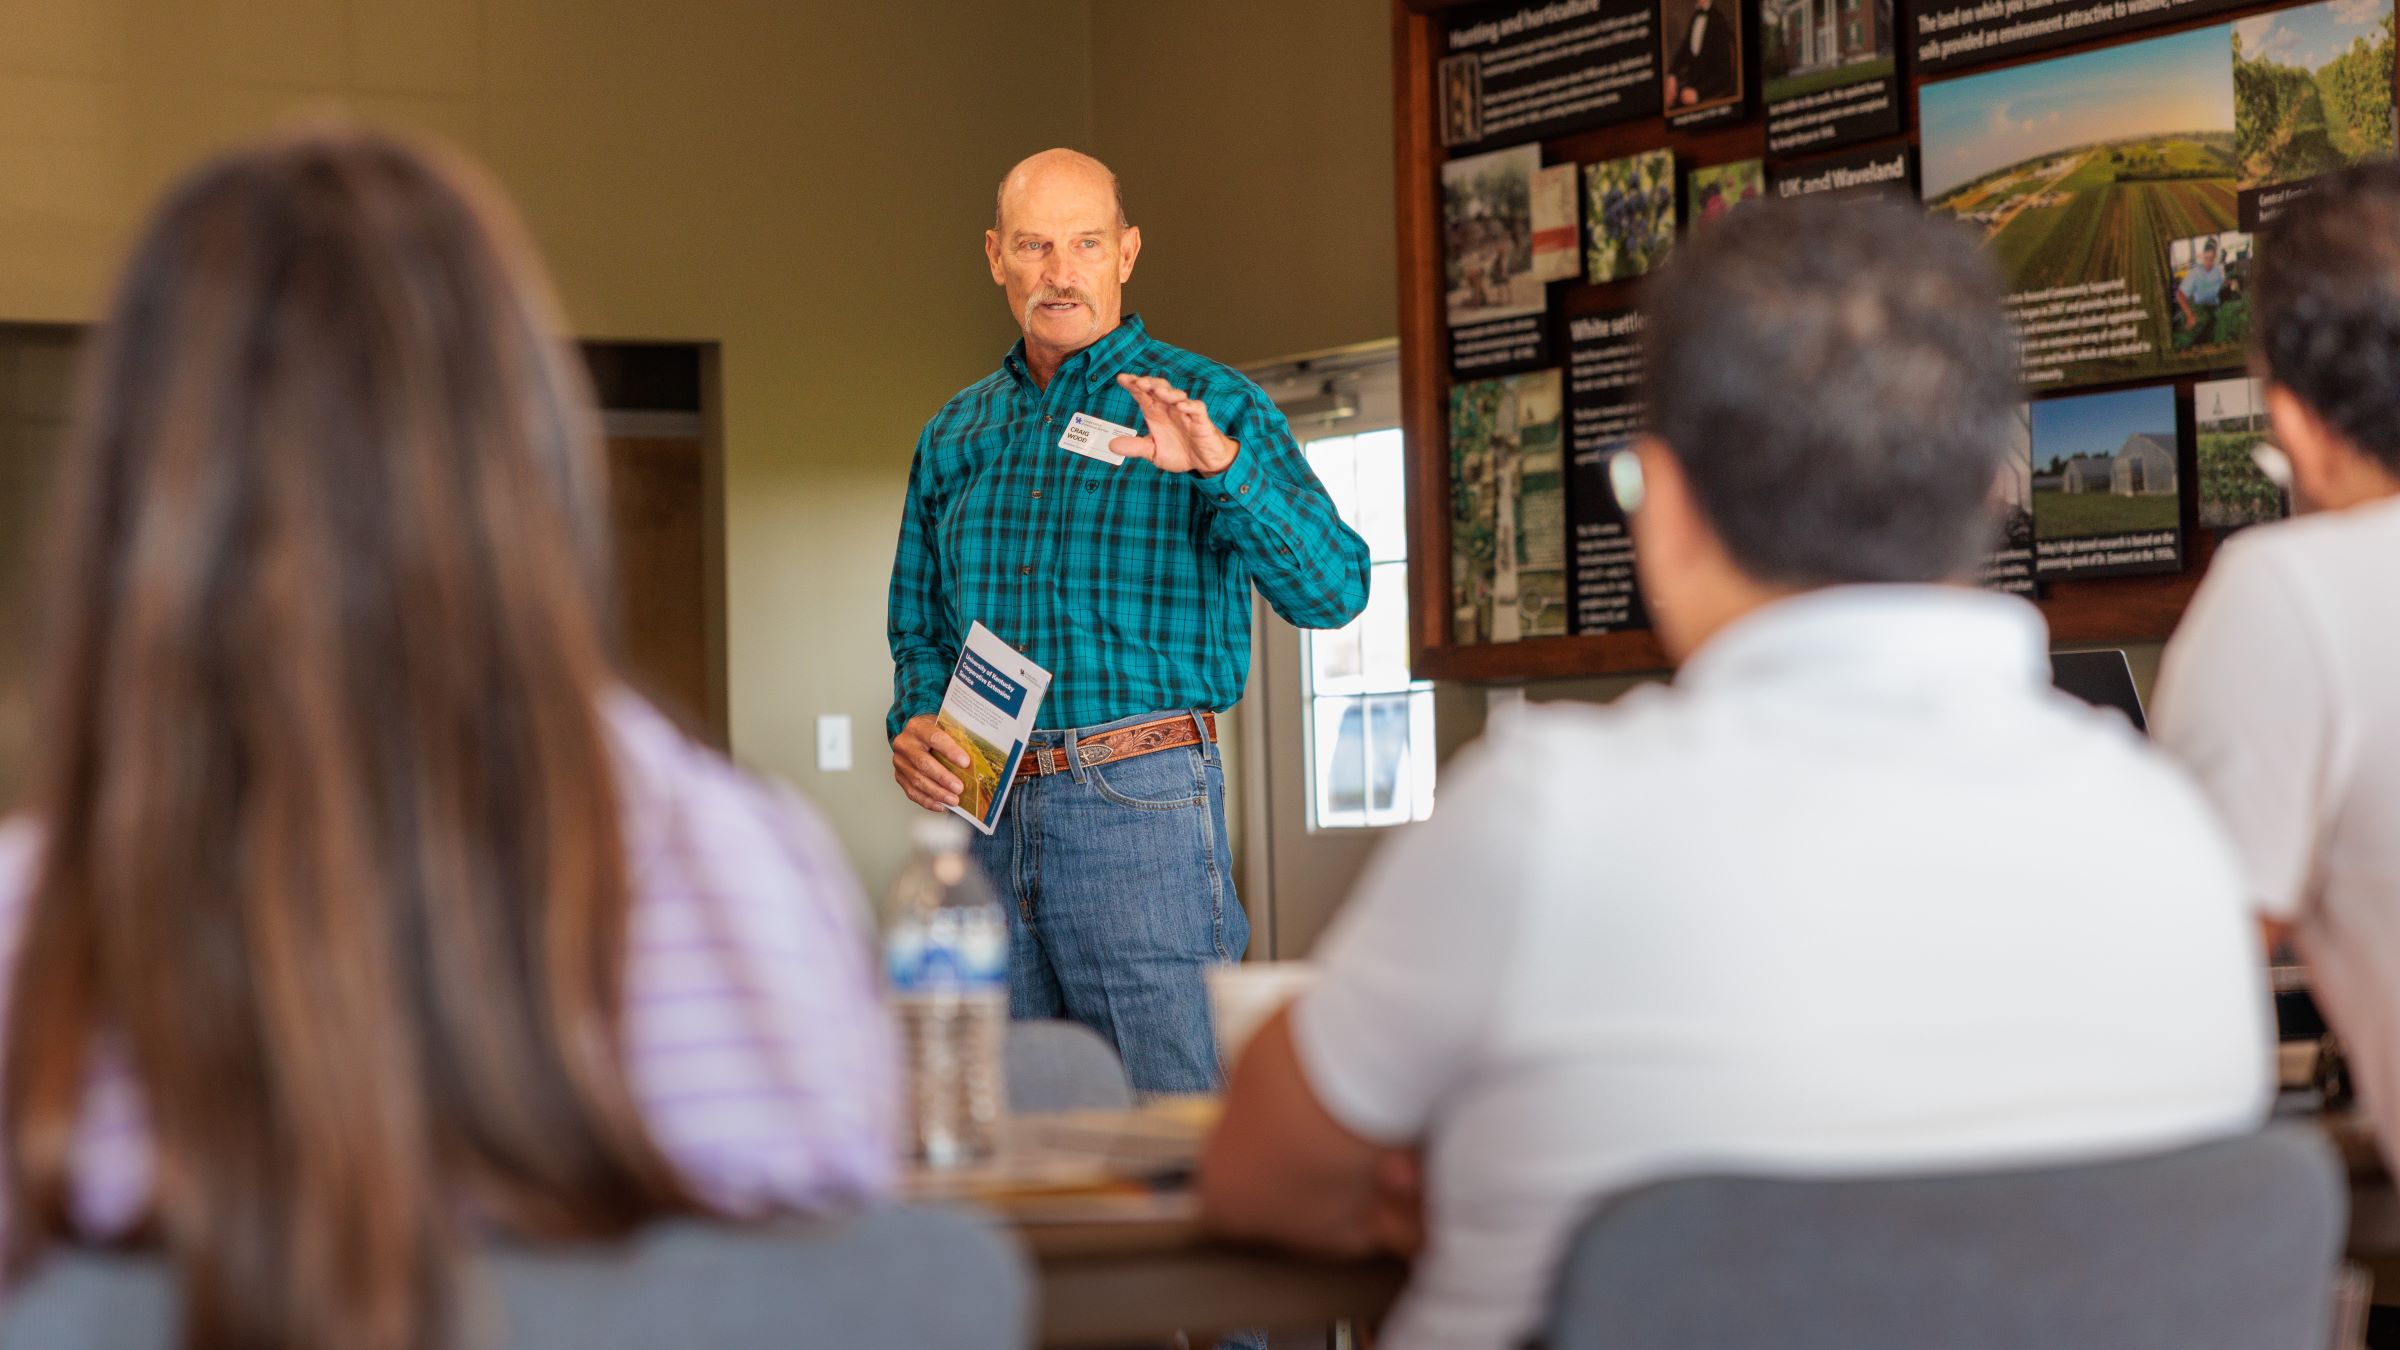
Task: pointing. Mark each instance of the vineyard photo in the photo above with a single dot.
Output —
(1507, 508)
(2080, 173)
(2312, 90)
(2231, 418)
(1628, 214)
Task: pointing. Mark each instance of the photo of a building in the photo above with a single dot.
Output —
(1812, 45)
(2107, 483)
(2142, 467)
(1820, 34)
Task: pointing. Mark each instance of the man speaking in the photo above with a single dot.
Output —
(1121, 557)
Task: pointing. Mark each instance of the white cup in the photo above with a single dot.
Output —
(1242, 997)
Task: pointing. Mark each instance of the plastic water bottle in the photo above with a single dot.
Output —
(946, 954)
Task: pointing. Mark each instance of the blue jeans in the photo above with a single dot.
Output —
(1119, 888)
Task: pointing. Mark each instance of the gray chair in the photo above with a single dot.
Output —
(1062, 1066)
(898, 1278)
(2223, 1246)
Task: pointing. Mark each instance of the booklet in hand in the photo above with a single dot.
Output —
(988, 709)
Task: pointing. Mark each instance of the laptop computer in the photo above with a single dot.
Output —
(2103, 679)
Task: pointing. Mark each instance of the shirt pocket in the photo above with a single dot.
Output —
(988, 520)
(1130, 556)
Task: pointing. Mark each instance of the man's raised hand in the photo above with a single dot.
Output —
(1183, 438)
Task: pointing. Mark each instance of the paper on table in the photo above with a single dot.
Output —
(1078, 1152)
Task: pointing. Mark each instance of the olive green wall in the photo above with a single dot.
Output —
(802, 181)
(1254, 138)
(805, 183)
(33, 386)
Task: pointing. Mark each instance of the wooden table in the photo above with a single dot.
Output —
(1103, 1205)
(1132, 1279)
(2374, 1203)
(1128, 1264)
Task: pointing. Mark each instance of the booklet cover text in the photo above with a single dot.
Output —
(988, 709)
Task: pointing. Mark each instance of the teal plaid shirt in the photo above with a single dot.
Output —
(1132, 586)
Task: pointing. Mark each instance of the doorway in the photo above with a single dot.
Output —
(1340, 745)
(667, 506)
(659, 422)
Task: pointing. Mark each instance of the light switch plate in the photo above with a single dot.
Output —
(833, 742)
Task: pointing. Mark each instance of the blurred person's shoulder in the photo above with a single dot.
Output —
(20, 854)
(20, 861)
(1628, 742)
(2318, 581)
(2062, 743)
(690, 810)
(2327, 562)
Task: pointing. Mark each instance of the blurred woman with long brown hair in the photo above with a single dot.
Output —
(359, 909)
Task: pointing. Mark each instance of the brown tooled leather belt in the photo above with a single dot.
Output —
(1167, 733)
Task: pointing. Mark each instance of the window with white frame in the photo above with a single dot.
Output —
(1370, 726)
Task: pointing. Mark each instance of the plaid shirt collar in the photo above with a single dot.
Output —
(1094, 364)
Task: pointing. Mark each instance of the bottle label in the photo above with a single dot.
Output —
(954, 951)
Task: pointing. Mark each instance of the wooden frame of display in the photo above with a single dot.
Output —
(2122, 609)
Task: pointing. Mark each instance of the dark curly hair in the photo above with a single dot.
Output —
(2326, 305)
(1839, 380)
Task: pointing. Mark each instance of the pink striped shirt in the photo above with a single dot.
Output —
(759, 1050)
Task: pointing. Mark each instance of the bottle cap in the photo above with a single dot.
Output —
(944, 833)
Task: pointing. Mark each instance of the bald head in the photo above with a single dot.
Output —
(1053, 174)
(1060, 246)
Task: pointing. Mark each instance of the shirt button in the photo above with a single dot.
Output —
(1037, 492)
(1245, 489)
(1049, 421)
(1223, 498)
(1026, 570)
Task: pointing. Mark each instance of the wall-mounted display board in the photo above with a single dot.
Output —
(1513, 72)
(1832, 73)
(1604, 371)
(1955, 34)
(2118, 157)
(2118, 186)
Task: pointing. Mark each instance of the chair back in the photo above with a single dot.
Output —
(1063, 1066)
(2232, 1245)
(892, 1279)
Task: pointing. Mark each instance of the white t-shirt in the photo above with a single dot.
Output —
(2281, 693)
(1860, 892)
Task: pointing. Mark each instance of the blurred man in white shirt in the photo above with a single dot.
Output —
(1859, 892)
(2281, 690)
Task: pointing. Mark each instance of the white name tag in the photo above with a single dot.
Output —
(1088, 435)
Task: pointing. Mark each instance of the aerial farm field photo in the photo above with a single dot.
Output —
(2080, 174)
